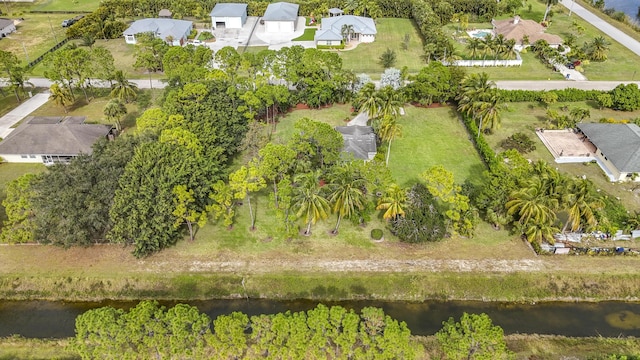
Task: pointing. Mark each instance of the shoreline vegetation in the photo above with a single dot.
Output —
(525, 346)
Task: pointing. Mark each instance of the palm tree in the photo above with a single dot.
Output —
(476, 89)
(510, 49)
(499, 45)
(550, 3)
(347, 31)
(367, 101)
(474, 46)
(598, 48)
(388, 130)
(309, 200)
(532, 205)
(60, 95)
(346, 192)
(429, 50)
(539, 232)
(488, 111)
(123, 89)
(389, 101)
(579, 114)
(582, 204)
(394, 200)
(114, 110)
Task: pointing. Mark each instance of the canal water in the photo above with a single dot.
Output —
(629, 7)
(43, 319)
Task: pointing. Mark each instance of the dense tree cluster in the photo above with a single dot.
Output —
(152, 331)
(473, 337)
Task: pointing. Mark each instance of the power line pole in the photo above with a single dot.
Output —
(53, 32)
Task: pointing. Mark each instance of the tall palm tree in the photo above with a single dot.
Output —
(550, 3)
(499, 46)
(476, 89)
(388, 130)
(488, 46)
(582, 204)
(122, 88)
(474, 45)
(394, 200)
(367, 101)
(429, 51)
(488, 111)
(598, 48)
(531, 205)
(60, 95)
(510, 49)
(114, 110)
(346, 32)
(389, 101)
(346, 192)
(309, 200)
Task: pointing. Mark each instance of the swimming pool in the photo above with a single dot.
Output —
(480, 34)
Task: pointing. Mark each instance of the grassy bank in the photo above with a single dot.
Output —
(539, 347)
(328, 286)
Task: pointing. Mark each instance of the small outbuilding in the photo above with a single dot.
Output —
(359, 141)
(228, 15)
(52, 140)
(281, 17)
(7, 26)
(174, 32)
(165, 14)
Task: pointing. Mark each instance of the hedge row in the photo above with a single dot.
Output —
(486, 152)
(564, 95)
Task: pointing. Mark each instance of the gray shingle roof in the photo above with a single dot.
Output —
(162, 27)
(620, 143)
(229, 10)
(53, 136)
(281, 11)
(359, 141)
(5, 22)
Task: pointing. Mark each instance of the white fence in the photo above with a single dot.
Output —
(485, 63)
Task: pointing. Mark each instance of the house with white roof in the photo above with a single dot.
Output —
(228, 15)
(280, 17)
(331, 32)
(174, 32)
(7, 26)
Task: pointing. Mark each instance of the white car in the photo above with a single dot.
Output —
(197, 42)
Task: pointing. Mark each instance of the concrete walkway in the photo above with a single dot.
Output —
(604, 26)
(22, 111)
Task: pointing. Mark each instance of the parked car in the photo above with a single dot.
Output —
(69, 22)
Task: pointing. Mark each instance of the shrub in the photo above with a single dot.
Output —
(422, 221)
(329, 47)
(376, 234)
(626, 97)
(520, 142)
(206, 35)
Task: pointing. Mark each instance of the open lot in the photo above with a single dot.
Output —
(364, 58)
(62, 5)
(35, 35)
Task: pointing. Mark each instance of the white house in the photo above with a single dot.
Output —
(280, 17)
(174, 32)
(51, 140)
(363, 29)
(228, 15)
(617, 148)
(6, 27)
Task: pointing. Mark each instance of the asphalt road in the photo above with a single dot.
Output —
(604, 26)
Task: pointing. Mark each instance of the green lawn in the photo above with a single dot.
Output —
(8, 102)
(364, 58)
(526, 117)
(61, 5)
(308, 35)
(35, 35)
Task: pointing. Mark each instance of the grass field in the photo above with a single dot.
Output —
(7, 102)
(34, 36)
(364, 58)
(526, 117)
(62, 5)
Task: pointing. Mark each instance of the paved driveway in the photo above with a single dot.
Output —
(22, 111)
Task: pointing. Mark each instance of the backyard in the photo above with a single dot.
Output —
(391, 33)
(34, 36)
(526, 117)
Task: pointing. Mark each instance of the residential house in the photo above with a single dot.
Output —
(280, 17)
(617, 148)
(174, 32)
(331, 32)
(359, 141)
(517, 29)
(52, 140)
(6, 27)
(228, 15)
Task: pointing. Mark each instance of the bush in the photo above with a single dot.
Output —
(376, 234)
(422, 221)
(626, 97)
(192, 34)
(329, 47)
(205, 35)
(520, 142)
